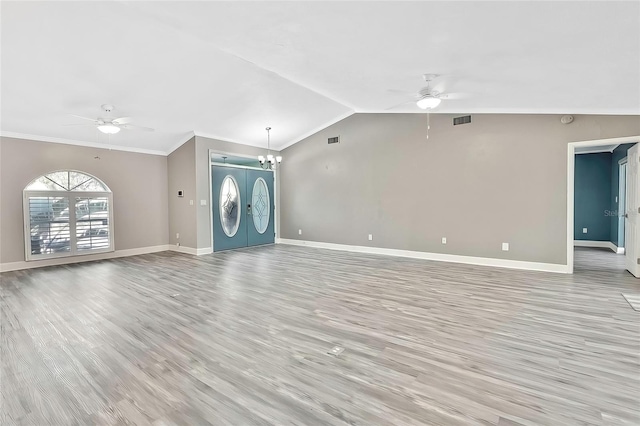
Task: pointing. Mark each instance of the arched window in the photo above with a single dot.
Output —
(67, 213)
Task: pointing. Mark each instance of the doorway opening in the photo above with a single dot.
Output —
(601, 201)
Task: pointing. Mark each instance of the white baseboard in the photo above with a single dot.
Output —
(191, 250)
(599, 244)
(441, 257)
(15, 266)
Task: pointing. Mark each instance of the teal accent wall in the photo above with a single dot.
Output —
(593, 196)
(618, 154)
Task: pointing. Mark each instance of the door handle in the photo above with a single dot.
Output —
(249, 209)
(626, 215)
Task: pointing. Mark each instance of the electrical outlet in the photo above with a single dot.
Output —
(299, 231)
(505, 246)
(177, 235)
(444, 240)
(584, 230)
(203, 202)
(370, 237)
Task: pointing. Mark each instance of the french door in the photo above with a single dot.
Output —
(243, 207)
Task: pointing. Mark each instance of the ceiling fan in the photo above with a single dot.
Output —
(426, 98)
(109, 125)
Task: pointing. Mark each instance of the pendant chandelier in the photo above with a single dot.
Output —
(269, 162)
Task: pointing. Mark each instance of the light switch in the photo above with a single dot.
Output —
(299, 231)
(203, 202)
(190, 202)
(505, 246)
(584, 230)
(370, 237)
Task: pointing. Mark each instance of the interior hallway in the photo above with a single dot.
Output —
(589, 260)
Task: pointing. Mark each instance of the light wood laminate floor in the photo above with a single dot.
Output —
(240, 338)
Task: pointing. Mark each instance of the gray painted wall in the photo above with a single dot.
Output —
(203, 145)
(181, 169)
(138, 182)
(502, 178)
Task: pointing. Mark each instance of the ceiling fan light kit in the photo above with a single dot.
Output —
(428, 102)
(108, 128)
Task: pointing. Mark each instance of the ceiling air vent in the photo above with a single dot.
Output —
(333, 140)
(462, 120)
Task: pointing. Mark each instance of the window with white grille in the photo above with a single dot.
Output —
(67, 213)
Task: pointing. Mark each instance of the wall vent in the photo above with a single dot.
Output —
(462, 120)
(335, 139)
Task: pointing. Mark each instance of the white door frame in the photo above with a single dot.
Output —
(571, 155)
(622, 195)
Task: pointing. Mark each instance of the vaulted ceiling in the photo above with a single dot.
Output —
(229, 69)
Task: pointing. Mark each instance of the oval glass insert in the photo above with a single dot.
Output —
(229, 206)
(261, 208)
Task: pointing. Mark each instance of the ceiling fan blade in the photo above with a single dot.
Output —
(84, 118)
(76, 125)
(400, 104)
(454, 96)
(134, 127)
(403, 92)
(122, 120)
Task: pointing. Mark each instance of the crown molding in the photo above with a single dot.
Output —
(39, 138)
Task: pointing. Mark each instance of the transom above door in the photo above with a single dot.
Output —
(242, 207)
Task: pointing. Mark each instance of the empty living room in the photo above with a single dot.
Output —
(319, 213)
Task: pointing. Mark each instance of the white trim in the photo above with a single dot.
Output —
(599, 244)
(240, 166)
(317, 129)
(15, 266)
(440, 257)
(190, 250)
(622, 161)
(611, 141)
(203, 251)
(182, 141)
(571, 166)
(620, 250)
(80, 143)
(598, 151)
(183, 249)
(571, 153)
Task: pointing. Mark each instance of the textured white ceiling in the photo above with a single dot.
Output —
(229, 69)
